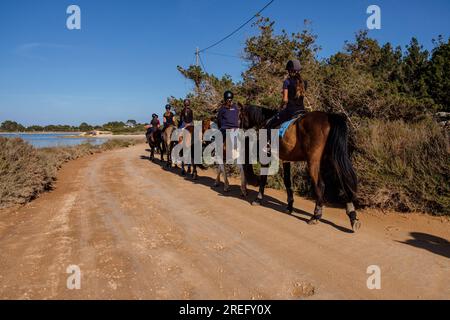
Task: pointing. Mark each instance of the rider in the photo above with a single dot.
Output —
(154, 124)
(228, 115)
(187, 116)
(168, 118)
(294, 89)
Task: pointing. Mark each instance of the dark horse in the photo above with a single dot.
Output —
(320, 139)
(154, 140)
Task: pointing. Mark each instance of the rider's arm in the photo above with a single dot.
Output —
(285, 99)
(285, 94)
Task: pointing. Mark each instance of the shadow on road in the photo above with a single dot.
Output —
(436, 245)
(235, 192)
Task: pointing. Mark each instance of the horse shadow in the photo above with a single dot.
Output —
(434, 244)
(235, 192)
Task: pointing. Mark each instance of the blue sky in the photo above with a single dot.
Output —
(122, 64)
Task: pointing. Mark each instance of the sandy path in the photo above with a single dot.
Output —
(139, 232)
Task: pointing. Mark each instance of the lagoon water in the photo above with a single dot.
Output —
(51, 140)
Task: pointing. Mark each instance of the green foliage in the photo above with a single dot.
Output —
(11, 126)
(438, 75)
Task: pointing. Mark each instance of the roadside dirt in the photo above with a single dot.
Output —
(139, 232)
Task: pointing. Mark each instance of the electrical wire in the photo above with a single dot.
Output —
(240, 27)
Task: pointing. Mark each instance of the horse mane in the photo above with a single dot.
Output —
(258, 115)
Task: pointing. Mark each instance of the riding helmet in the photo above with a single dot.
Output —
(168, 107)
(154, 115)
(228, 95)
(293, 65)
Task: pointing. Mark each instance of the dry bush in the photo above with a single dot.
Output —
(402, 166)
(26, 172)
(22, 171)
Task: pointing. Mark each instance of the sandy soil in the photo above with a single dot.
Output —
(139, 232)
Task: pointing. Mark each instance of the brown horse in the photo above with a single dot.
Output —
(318, 138)
(168, 144)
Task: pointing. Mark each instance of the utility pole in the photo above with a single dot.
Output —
(197, 56)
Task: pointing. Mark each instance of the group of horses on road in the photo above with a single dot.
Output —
(318, 138)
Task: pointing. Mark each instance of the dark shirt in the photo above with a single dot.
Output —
(228, 118)
(187, 116)
(169, 118)
(155, 123)
(294, 102)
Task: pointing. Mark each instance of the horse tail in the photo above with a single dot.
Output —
(338, 154)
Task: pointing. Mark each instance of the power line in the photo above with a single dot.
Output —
(242, 26)
(222, 55)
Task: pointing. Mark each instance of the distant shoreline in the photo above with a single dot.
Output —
(46, 132)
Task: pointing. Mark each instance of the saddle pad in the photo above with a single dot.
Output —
(286, 126)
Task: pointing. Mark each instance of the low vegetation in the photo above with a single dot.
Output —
(115, 127)
(26, 171)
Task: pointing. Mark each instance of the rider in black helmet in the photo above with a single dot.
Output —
(168, 117)
(154, 124)
(294, 89)
(228, 115)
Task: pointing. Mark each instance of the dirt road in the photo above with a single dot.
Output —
(139, 232)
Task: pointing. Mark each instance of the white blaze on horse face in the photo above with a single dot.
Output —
(74, 20)
(273, 161)
(374, 21)
(213, 153)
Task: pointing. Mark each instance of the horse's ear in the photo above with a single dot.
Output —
(240, 106)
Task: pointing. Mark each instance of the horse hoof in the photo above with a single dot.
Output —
(356, 225)
(226, 189)
(289, 210)
(257, 203)
(314, 222)
(194, 176)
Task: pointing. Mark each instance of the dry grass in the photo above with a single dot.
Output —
(405, 167)
(26, 171)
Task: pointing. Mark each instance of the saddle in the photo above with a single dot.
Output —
(286, 125)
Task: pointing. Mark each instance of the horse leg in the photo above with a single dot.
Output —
(219, 172)
(226, 186)
(351, 213)
(183, 170)
(288, 185)
(319, 187)
(262, 186)
(243, 181)
(152, 153)
(194, 172)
